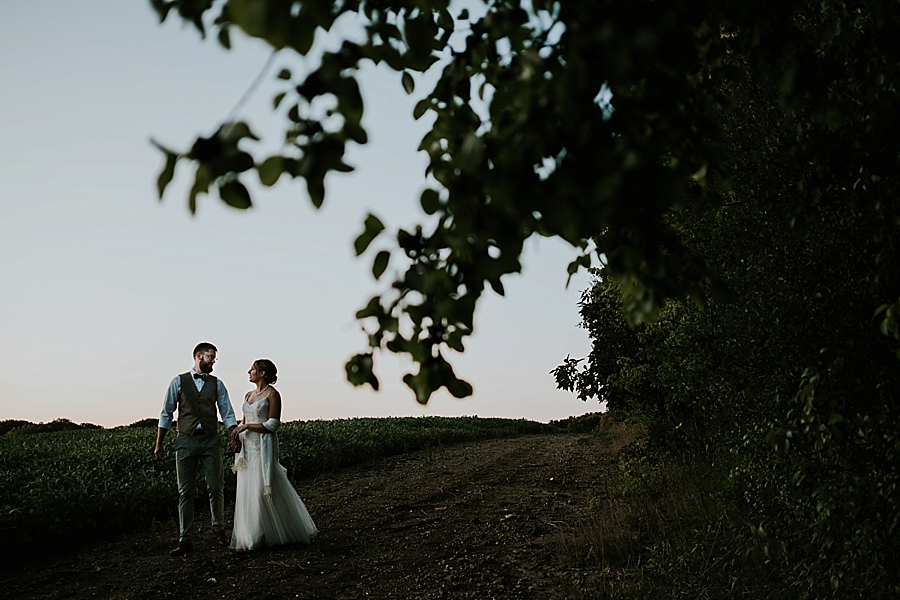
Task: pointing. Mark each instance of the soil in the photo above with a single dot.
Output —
(478, 520)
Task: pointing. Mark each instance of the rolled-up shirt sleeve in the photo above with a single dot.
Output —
(168, 411)
(225, 410)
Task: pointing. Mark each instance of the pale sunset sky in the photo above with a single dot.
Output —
(104, 290)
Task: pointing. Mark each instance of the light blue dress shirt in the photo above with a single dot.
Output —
(225, 410)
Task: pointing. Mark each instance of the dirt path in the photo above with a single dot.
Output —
(478, 520)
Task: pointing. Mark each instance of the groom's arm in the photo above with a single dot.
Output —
(165, 417)
(225, 410)
(158, 449)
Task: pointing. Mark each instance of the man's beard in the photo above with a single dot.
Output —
(206, 367)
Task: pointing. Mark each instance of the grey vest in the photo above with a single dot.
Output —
(197, 407)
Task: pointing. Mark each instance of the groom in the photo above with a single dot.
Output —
(197, 394)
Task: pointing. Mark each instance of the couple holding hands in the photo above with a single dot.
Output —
(267, 509)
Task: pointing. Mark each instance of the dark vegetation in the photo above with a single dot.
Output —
(481, 519)
(592, 122)
(94, 481)
(15, 427)
(790, 384)
(739, 191)
(617, 508)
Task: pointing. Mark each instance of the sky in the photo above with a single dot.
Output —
(105, 289)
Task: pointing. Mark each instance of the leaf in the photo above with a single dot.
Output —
(454, 341)
(419, 386)
(235, 132)
(355, 132)
(430, 201)
(421, 107)
(316, 190)
(284, 74)
(420, 33)
(360, 371)
(303, 33)
(270, 170)
(408, 84)
(575, 265)
(350, 101)
(201, 186)
(162, 8)
(225, 38)
(233, 193)
(445, 20)
(459, 388)
(168, 171)
(373, 227)
(276, 101)
(380, 263)
(372, 309)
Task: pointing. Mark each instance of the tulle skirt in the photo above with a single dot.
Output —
(267, 515)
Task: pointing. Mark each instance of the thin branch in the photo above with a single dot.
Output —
(256, 82)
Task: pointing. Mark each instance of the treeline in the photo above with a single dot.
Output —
(16, 427)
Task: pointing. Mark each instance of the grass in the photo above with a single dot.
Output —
(661, 527)
(84, 481)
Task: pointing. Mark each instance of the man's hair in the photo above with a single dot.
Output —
(204, 347)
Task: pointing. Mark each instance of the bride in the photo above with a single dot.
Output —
(267, 509)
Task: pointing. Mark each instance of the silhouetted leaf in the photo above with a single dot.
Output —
(380, 263)
(408, 84)
(270, 170)
(421, 107)
(459, 388)
(359, 371)
(372, 227)
(168, 170)
(430, 201)
(201, 186)
(234, 132)
(233, 193)
(225, 38)
(420, 33)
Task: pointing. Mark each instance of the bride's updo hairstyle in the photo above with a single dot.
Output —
(267, 368)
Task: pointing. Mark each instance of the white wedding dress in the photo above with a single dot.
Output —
(267, 509)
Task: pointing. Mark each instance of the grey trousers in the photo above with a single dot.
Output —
(205, 451)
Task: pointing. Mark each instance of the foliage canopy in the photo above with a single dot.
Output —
(751, 144)
(522, 143)
(793, 383)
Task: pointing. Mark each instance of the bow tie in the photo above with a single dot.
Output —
(200, 376)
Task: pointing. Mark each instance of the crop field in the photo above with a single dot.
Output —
(83, 481)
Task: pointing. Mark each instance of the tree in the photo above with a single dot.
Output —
(794, 380)
(753, 144)
(522, 143)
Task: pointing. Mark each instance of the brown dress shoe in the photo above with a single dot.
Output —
(223, 539)
(182, 548)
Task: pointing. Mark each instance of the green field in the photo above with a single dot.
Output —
(89, 480)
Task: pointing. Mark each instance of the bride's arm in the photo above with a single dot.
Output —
(236, 432)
